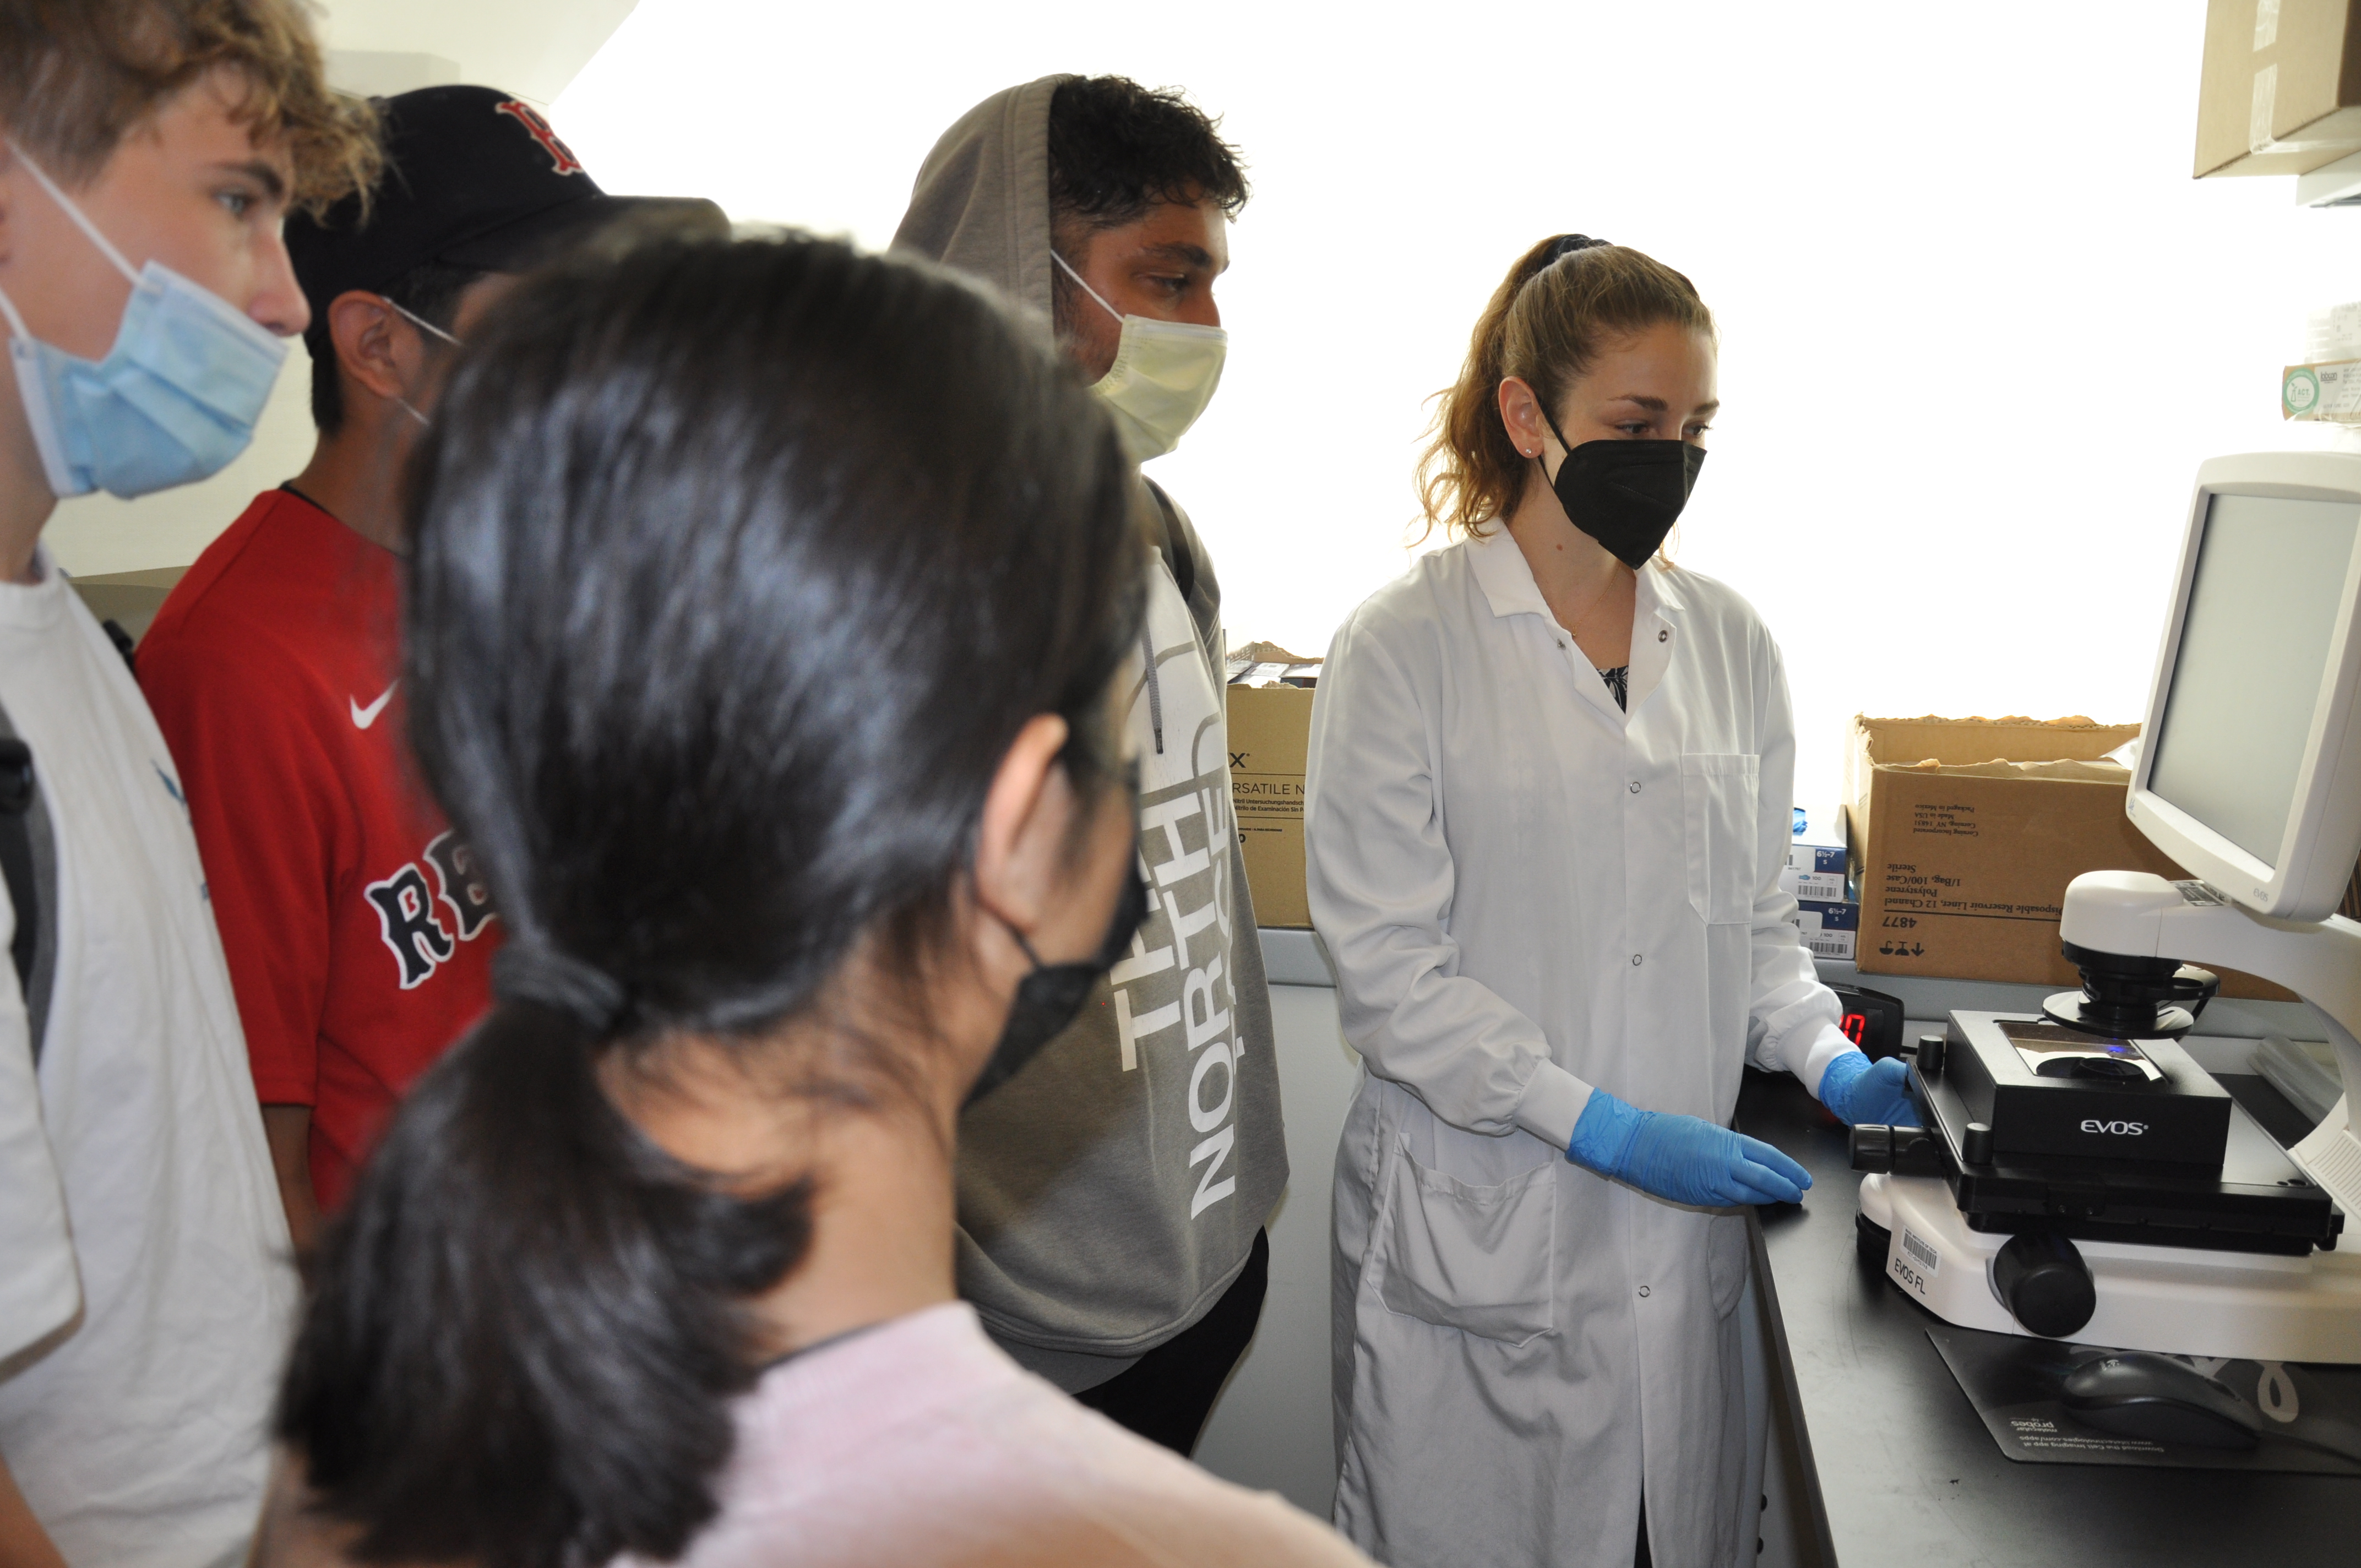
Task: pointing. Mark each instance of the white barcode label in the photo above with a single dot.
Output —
(1926, 1256)
(1827, 887)
(1828, 944)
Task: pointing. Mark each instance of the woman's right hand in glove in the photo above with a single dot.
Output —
(1685, 1160)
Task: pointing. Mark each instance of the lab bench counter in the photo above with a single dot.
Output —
(1905, 1469)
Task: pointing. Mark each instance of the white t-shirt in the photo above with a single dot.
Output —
(145, 1283)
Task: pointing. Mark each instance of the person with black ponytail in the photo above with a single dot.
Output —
(767, 605)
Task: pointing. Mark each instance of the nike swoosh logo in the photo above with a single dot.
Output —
(365, 717)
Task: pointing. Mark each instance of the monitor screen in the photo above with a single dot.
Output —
(2253, 656)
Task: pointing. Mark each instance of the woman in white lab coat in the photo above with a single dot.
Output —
(1549, 800)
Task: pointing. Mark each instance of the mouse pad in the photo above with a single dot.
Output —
(2311, 1413)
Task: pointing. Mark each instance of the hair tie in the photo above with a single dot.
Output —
(1567, 244)
(543, 976)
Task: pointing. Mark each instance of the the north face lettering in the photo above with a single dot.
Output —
(1183, 835)
(405, 907)
(1216, 1149)
(454, 869)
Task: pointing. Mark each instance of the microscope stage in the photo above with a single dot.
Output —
(2057, 1160)
(2048, 1089)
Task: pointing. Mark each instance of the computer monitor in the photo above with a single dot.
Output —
(2250, 771)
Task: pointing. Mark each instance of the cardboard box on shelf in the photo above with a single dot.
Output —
(1967, 831)
(1270, 736)
(2281, 91)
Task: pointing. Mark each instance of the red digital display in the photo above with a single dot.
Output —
(1855, 1026)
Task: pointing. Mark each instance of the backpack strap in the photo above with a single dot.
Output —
(1184, 556)
(124, 644)
(1177, 559)
(28, 861)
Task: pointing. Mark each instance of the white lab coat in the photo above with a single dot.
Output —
(1527, 892)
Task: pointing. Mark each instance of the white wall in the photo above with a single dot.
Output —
(532, 47)
(1979, 324)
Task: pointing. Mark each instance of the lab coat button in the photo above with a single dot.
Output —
(1635, 786)
(1643, 1290)
(1664, 636)
(1635, 960)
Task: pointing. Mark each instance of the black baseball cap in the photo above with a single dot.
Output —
(473, 178)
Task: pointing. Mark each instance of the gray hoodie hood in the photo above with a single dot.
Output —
(982, 203)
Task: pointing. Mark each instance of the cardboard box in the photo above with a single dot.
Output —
(1270, 734)
(1967, 831)
(2281, 93)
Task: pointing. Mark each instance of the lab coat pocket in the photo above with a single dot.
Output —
(1479, 1259)
(1718, 796)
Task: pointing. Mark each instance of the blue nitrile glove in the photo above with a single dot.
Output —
(1865, 1093)
(1684, 1158)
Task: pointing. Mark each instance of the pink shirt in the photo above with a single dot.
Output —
(919, 1443)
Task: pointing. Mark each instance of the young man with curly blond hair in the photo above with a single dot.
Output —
(147, 151)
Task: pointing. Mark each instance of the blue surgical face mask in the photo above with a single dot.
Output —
(174, 400)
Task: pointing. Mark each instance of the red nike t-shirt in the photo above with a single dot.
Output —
(359, 945)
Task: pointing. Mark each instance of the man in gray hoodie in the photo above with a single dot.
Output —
(1113, 1195)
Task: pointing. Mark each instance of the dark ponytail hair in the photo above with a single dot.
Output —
(736, 570)
(1545, 324)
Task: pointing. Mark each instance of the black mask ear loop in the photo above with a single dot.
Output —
(1025, 945)
(1565, 447)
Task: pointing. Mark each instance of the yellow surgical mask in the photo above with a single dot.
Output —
(1163, 376)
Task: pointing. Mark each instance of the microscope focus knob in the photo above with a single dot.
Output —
(1903, 1151)
(2041, 1279)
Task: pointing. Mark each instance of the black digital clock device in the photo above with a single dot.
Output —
(1873, 1020)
